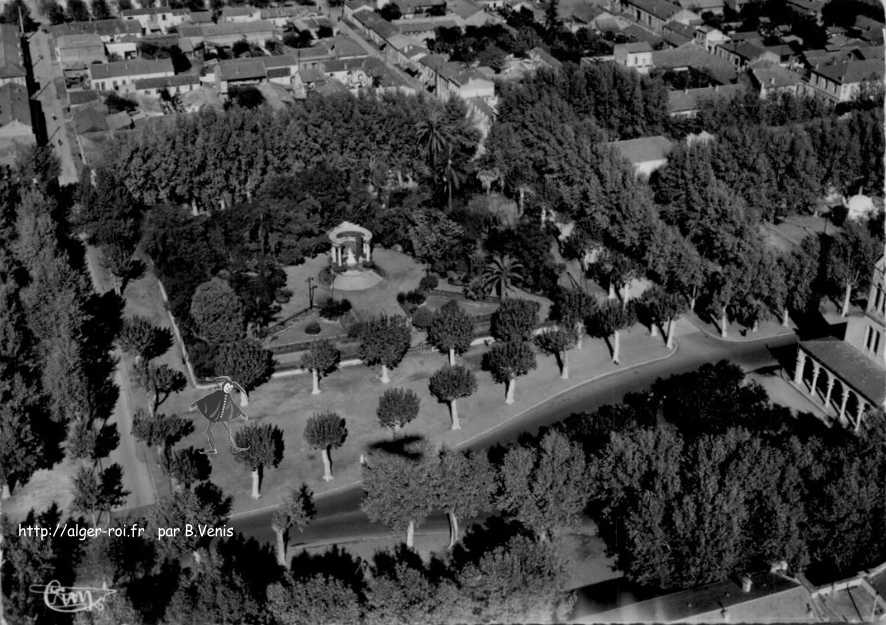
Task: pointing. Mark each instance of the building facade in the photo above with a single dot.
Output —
(848, 377)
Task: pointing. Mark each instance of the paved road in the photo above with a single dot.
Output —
(51, 96)
(339, 517)
(136, 475)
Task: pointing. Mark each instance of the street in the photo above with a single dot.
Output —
(339, 516)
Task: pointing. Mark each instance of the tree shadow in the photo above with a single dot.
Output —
(255, 561)
(412, 446)
(335, 563)
(481, 538)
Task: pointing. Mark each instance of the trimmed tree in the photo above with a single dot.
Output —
(507, 361)
(143, 340)
(450, 384)
(245, 361)
(849, 258)
(264, 446)
(570, 308)
(97, 491)
(162, 381)
(660, 307)
(396, 408)
(217, 313)
(384, 341)
(186, 467)
(320, 359)
(398, 492)
(451, 330)
(160, 431)
(324, 431)
(514, 320)
(464, 484)
(608, 320)
(316, 599)
(295, 512)
(557, 343)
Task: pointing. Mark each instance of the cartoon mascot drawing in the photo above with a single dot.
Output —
(219, 407)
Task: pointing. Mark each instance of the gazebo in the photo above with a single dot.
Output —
(350, 245)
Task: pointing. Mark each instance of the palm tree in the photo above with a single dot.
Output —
(502, 273)
(451, 177)
(434, 135)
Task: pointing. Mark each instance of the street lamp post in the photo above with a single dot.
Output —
(311, 288)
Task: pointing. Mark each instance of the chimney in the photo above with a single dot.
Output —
(746, 583)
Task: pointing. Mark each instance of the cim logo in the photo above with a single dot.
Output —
(72, 598)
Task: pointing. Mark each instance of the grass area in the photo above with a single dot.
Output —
(353, 392)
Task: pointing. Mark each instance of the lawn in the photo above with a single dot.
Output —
(353, 392)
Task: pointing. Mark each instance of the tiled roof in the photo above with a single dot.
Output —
(201, 17)
(661, 9)
(82, 96)
(375, 23)
(774, 76)
(241, 11)
(14, 104)
(691, 55)
(241, 69)
(849, 72)
(632, 48)
(683, 100)
(586, 13)
(463, 8)
(136, 67)
(153, 11)
(11, 65)
(643, 149)
(78, 40)
(851, 366)
(167, 81)
(743, 49)
(105, 28)
(411, 27)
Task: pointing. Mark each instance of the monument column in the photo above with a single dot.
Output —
(816, 370)
(827, 397)
(798, 369)
(844, 402)
(859, 412)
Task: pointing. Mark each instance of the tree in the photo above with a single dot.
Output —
(263, 447)
(205, 505)
(245, 361)
(390, 12)
(571, 307)
(217, 313)
(545, 487)
(187, 467)
(464, 484)
(434, 135)
(163, 381)
(101, 10)
(450, 384)
(78, 11)
(514, 320)
(848, 260)
(384, 341)
(518, 581)
(143, 340)
(295, 512)
(95, 493)
(53, 12)
(501, 274)
(396, 408)
(324, 431)
(321, 358)
(557, 342)
(607, 321)
(160, 431)
(398, 492)
(801, 271)
(119, 260)
(451, 330)
(661, 307)
(17, 10)
(316, 599)
(507, 361)
(552, 17)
